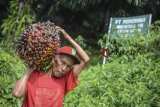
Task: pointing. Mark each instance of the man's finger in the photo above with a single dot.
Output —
(57, 27)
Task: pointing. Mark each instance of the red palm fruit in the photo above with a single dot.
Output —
(38, 43)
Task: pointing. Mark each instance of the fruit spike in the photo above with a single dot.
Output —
(38, 43)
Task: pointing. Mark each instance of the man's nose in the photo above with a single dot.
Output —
(59, 62)
(63, 67)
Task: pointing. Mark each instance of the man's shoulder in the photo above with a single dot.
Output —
(34, 76)
(35, 73)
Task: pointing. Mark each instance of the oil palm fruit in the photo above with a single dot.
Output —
(38, 43)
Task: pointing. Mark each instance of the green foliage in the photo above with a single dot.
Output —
(81, 41)
(137, 2)
(118, 84)
(102, 42)
(10, 71)
(130, 79)
(148, 44)
(81, 4)
(78, 5)
(19, 16)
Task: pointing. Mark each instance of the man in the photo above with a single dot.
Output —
(48, 89)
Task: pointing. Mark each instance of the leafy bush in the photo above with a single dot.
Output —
(130, 79)
(81, 41)
(10, 70)
(118, 84)
(135, 44)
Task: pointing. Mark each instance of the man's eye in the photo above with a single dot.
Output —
(69, 66)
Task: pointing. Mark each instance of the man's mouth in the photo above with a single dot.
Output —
(58, 72)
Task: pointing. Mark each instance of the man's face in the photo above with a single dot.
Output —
(61, 64)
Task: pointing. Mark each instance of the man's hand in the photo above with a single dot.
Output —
(59, 29)
(62, 31)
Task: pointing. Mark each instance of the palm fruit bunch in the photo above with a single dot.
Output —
(39, 43)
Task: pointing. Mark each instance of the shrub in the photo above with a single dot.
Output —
(118, 84)
(130, 79)
(10, 71)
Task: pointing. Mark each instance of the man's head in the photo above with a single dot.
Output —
(64, 61)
